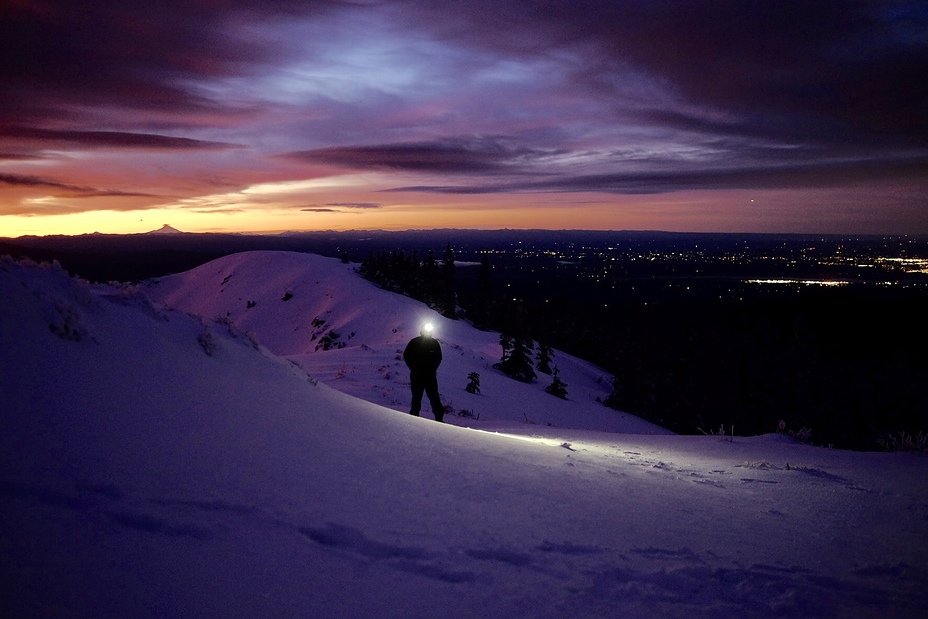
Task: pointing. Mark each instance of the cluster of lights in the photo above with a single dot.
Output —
(909, 265)
(804, 282)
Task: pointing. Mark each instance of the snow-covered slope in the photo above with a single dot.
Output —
(292, 303)
(156, 465)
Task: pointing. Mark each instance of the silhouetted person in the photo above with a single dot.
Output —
(423, 356)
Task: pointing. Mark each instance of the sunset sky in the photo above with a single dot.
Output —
(271, 115)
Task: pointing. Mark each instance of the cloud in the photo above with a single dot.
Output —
(68, 198)
(133, 53)
(112, 139)
(782, 176)
(17, 157)
(832, 174)
(43, 209)
(848, 67)
(124, 194)
(448, 155)
(460, 189)
(356, 205)
(416, 157)
(19, 180)
(337, 207)
(73, 191)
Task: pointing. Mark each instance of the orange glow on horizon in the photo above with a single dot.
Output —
(335, 206)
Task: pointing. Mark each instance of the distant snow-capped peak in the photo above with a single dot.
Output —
(165, 229)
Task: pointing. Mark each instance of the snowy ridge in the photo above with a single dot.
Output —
(293, 303)
(156, 464)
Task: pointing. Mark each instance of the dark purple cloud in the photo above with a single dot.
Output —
(74, 191)
(359, 205)
(19, 180)
(783, 176)
(840, 69)
(131, 53)
(784, 94)
(17, 157)
(843, 68)
(450, 156)
(63, 192)
(111, 139)
(123, 194)
(338, 207)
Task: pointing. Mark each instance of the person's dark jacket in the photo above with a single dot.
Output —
(423, 355)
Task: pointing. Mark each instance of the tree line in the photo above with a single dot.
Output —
(425, 279)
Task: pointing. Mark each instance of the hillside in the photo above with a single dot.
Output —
(297, 305)
(156, 464)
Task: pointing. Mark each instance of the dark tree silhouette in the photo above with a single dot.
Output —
(517, 362)
(425, 281)
(557, 387)
(473, 383)
(543, 359)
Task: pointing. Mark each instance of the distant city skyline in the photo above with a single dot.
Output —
(250, 116)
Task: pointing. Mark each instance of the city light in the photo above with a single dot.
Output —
(804, 282)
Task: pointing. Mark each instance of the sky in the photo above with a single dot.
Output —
(273, 115)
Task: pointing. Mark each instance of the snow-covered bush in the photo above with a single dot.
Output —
(721, 432)
(904, 441)
(803, 435)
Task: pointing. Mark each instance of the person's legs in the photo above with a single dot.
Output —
(417, 387)
(431, 389)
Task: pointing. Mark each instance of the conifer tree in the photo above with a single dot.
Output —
(479, 305)
(517, 363)
(429, 262)
(505, 341)
(613, 400)
(543, 359)
(557, 387)
(484, 275)
(448, 264)
(448, 299)
(473, 384)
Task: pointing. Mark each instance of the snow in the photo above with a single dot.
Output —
(165, 229)
(157, 462)
(374, 326)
